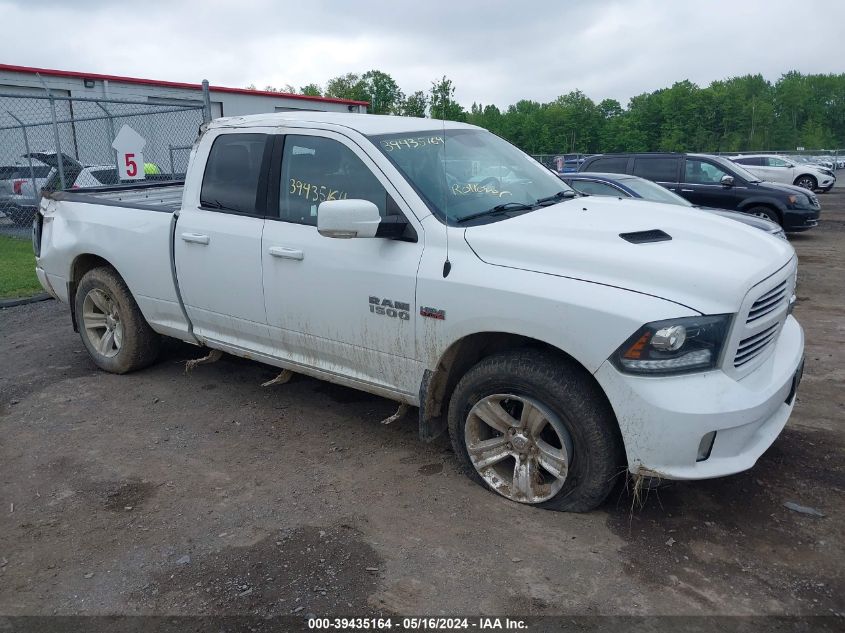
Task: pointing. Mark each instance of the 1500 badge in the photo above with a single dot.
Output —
(390, 308)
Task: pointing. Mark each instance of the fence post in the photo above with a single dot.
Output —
(55, 131)
(206, 102)
(28, 157)
(111, 130)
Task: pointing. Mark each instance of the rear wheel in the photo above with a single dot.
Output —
(807, 182)
(537, 430)
(766, 213)
(111, 325)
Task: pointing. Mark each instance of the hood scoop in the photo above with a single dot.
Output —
(646, 237)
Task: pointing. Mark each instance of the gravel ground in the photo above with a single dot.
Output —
(163, 492)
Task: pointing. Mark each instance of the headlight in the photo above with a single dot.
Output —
(799, 201)
(674, 346)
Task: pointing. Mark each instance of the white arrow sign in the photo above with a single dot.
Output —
(129, 146)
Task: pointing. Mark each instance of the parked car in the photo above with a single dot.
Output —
(782, 169)
(714, 181)
(556, 338)
(567, 163)
(16, 185)
(625, 186)
(824, 161)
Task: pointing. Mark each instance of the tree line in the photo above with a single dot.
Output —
(740, 113)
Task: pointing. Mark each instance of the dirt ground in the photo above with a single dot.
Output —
(165, 493)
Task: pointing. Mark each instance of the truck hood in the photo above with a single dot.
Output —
(708, 265)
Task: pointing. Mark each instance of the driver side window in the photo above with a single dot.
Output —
(776, 162)
(317, 169)
(702, 173)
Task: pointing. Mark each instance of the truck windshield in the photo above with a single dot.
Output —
(462, 173)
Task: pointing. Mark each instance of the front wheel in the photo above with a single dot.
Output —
(807, 182)
(536, 429)
(113, 330)
(766, 213)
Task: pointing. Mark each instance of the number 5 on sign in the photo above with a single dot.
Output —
(129, 146)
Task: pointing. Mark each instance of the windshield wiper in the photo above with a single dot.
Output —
(560, 195)
(499, 208)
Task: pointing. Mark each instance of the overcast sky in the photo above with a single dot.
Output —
(494, 51)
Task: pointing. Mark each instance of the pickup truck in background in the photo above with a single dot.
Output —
(558, 339)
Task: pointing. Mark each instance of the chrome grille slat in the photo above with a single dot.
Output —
(753, 351)
(775, 290)
(761, 322)
(753, 339)
(768, 302)
(773, 304)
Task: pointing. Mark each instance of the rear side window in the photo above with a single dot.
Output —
(756, 161)
(611, 165)
(232, 173)
(595, 188)
(656, 169)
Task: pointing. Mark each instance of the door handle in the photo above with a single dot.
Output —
(688, 190)
(286, 253)
(196, 238)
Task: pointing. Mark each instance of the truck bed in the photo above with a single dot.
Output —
(154, 196)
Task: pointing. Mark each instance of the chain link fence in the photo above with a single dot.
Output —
(50, 142)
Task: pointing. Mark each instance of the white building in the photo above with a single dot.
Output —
(85, 133)
(224, 101)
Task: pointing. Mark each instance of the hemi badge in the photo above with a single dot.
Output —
(433, 313)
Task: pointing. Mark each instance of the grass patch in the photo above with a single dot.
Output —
(17, 269)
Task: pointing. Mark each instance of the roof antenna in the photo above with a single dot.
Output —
(447, 265)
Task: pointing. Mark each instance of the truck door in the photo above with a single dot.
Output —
(218, 240)
(344, 306)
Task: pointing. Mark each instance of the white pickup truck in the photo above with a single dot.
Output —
(559, 339)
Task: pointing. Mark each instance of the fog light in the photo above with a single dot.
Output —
(705, 446)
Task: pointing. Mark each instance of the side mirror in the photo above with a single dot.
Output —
(358, 218)
(727, 181)
(347, 219)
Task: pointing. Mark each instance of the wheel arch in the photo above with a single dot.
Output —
(438, 384)
(78, 268)
(806, 174)
(775, 205)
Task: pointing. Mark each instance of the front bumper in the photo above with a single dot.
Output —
(800, 219)
(663, 419)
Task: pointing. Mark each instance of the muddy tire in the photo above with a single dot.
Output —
(112, 328)
(536, 429)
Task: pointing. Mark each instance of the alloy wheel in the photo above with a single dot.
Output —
(518, 446)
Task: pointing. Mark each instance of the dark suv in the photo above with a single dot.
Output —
(713, 181)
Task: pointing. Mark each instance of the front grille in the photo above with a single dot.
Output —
(760, 320)
(751, 347)
(768, 303)
(813, 200)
